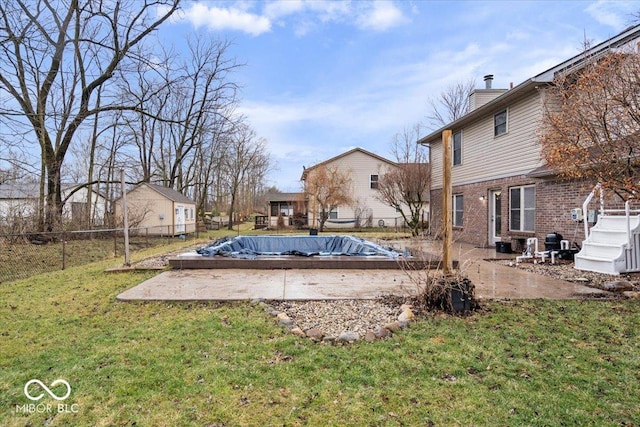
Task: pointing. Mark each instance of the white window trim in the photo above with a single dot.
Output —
(522, 208)
(453, 151)
(454, 206)
(506, 131)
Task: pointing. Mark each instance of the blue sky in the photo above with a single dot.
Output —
(322, 77)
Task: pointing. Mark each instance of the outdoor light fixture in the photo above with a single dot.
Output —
(482, 197)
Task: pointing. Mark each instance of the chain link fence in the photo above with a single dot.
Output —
(29, 254)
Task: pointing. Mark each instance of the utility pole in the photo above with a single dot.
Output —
(447, 194)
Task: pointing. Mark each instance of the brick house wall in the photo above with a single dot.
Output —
(554, 200)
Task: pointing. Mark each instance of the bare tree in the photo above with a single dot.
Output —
(56, 57)
(198, 101)
(326, 188)
(451, 104)
(591, 124)
(246, 154)
(406, 186)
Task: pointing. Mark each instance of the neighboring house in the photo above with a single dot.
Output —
(502, 190)
(286, 210)
(75, 206)
(365, 169)
(158, 210)
(19, 202)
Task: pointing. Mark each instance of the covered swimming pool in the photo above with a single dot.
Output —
(251, 247)
(299, 252)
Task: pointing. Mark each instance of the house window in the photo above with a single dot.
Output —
(333, 213)
(522, 208)
(458, 209)
(192, 215)
(457, 148)
(286, 209)
(274, 209)
(374, 182)
(500, 123)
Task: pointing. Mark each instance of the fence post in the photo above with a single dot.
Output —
(64, 251)
(125, 218)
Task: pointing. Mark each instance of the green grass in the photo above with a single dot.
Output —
(533, 363)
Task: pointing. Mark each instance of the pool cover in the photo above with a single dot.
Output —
(253, 246)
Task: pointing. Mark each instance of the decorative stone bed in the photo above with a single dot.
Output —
(341, 321)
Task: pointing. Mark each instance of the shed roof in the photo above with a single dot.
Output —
(169, 193)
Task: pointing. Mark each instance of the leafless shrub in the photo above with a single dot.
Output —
(434, 291)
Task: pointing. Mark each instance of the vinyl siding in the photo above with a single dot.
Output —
(486, 157)
(361, 166)
(148, 204)
(479, 97)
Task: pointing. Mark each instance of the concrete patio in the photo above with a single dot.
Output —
(492, 281)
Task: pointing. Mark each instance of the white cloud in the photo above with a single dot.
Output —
(278, 9)
(615, 14)
(220, 18)
(302, 15)
(381, 16)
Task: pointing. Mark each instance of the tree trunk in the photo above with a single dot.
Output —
(53, 209)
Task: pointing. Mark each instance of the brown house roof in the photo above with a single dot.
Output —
(285, 197)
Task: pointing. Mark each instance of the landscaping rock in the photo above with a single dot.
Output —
(618, 286)
(298, 332)
(348, 337)
(370, 336)
(284, 319)
(314, 334)
(329, 340)
(393, 326)
(381, 332)
(632, 294)
(406, 315)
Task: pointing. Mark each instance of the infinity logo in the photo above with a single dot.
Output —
(52, 394)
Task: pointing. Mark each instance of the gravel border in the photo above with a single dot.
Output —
(342, 321)
(563, 270)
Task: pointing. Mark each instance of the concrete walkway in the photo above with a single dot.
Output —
(492, 281)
